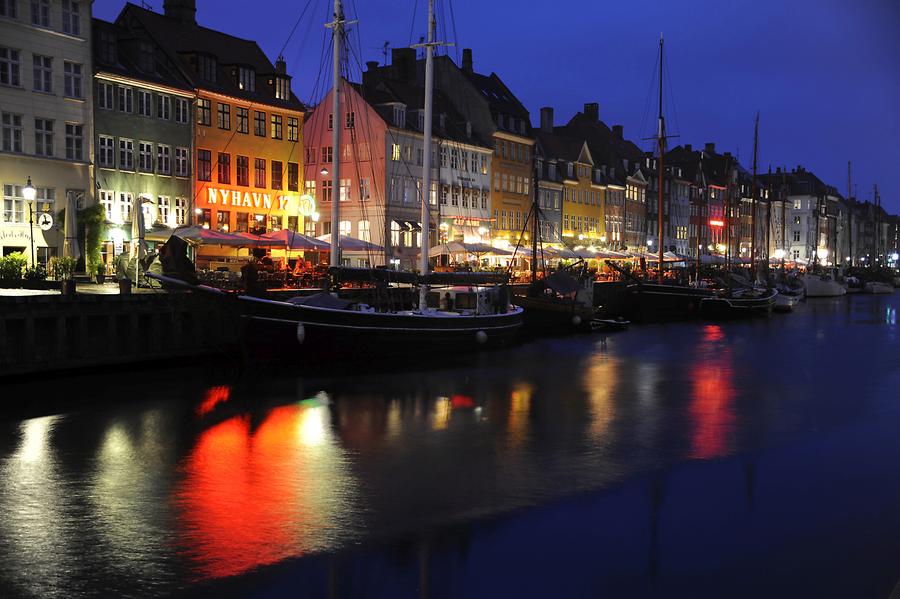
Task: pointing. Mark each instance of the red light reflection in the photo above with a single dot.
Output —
(251, 497)
(713, 392)
(214, 396)
(462, 402)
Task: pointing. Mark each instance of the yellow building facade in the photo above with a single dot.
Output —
(583, 203)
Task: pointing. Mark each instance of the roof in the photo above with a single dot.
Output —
(183, 41)
(501, 101)
(620, 156)
(127, 56)
(560, 146)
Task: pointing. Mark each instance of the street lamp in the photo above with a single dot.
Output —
(29, 192)
(324, 172)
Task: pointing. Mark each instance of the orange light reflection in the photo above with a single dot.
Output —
(713, 392)
(214, 396)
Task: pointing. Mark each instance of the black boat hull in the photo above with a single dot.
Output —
(548, 316)
(664, 303)
(729, 307)
(282, 330)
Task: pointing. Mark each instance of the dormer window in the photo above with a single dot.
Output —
(421, 120)
(399, 115)
(282, 88)
(147, 57)
(443, 120)
(206, 68)
(106, 43)
(246, 79)
(551, 170)
(570, 169)
(468, 128)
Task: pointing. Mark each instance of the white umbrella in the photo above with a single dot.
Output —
(70, 245)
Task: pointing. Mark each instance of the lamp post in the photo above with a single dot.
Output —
(29, 192)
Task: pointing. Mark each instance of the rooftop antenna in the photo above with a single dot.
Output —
(384, 52)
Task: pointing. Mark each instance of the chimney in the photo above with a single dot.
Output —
(688, 148)
(280, 66)
(710, 147)
(592, 111)
(404, 62)
(727, 154)
(183, 11)
(617, 131)
(467, 60)
(547, 119)
(371, 65)
(777, 170)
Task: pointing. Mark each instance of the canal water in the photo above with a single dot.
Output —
(740, 459)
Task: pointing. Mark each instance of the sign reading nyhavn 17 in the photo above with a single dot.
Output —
(244, 199)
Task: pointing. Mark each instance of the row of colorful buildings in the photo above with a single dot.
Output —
(156, 116)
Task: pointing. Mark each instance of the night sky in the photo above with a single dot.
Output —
(824, 74)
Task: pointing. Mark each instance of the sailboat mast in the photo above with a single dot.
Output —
(661, 140)
(784, 199)
(850, 211)
(768, 216)
(338, 42)
(753, 197)
(535, 212)
(426, 159)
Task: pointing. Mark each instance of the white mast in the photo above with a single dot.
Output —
(426, 162)
(337, 39)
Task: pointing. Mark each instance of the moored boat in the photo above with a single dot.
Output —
(823, 285)
(739, 303)
(878, 287)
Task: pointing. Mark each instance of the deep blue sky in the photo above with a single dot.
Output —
(824, 74)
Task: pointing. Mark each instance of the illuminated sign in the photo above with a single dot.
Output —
(716, 223)
(307, 205)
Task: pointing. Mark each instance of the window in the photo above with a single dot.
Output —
(395, 233)
(223, 220)
(243, 120)
(350, 120)
(206, 68)
(345, 190)
(293, 176)
(105, 95)
(204, 165)
(106, 152)
(454, 196)
(107, 46)
(311, 188)
(276, 174)
(74, 141)
(107, 200)
(40, 13)
(180, 211)
(181, 110)
(395, 152)
(246, 79)
(444, 192)
(241, 222)
(8, 9)
(181, 162)
(11, 137)
(796, 236)
(259, 123)
(259, 172)
(293, 128)
(282, 89)
(327, 156)
(276, 126)
(13, 204)
(399, 115)
(126, 204)
(145, 157)
(204, 217)
(163, 107)
(224, 168)
(223, 116)
(144, 102)
(43, 137)
(309, 227)
(243, 171)
(163, 159)
(365, 186)
(9, 66)
(126, 100)
(454, 159)
(71, 17)
(72, 79)
(326, 191)
(330, 121)
(204, 112)
(43, 73)
(163, 210)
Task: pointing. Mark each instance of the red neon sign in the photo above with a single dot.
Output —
(716, 223)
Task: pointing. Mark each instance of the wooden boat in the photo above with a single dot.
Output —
(822, 284)
(739, 303)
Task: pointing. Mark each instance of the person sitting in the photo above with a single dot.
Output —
(266, 264)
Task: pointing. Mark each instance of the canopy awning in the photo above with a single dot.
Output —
(352, 244)
(200, 236)
(458, 247)
(291, 240)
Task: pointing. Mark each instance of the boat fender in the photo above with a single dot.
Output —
(301, 333)
(576, 320)
(481, 337)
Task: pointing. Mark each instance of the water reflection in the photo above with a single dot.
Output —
(600, 383)
(711, 409)
(254, 495)
(36, 507)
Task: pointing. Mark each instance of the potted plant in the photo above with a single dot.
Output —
(101, 273)
(62, 268)
(11, 269)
